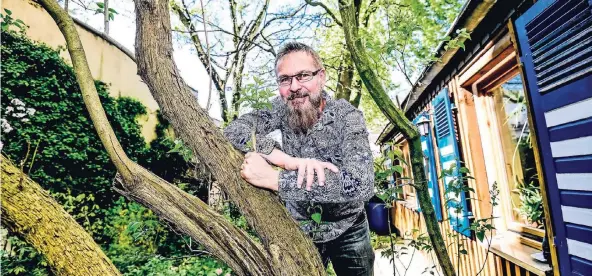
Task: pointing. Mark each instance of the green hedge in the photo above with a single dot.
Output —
(72, 164)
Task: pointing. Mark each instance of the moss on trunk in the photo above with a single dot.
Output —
(32, 213)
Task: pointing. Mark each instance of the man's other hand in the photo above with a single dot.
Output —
(307, 167)
(258, 172)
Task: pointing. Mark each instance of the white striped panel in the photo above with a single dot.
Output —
(449, 164)
(569, 113)
(577, 215)
(580, 249)
(572, 147)
(575, 181)
(447, 150)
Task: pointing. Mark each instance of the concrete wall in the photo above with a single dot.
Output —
(108, 61)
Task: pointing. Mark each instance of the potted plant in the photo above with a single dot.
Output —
(379, 207)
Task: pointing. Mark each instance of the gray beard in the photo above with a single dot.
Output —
(301, 119)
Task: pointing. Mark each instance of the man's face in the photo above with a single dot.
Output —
(302, 98)
(293, 64)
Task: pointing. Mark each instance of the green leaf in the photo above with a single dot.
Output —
(316, 217)
(480, 235)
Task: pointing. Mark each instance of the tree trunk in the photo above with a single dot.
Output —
(287, 251)
(187, 213)
(345, 80)
(348, 11)
(358, 93)
(237, 84)
(106, 16)
(31, 212)
(293, 252)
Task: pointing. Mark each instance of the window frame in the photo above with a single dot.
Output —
(480, 79)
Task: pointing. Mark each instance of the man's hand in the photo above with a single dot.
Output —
(258, 172)
(307, 167)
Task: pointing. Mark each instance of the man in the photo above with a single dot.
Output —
(321, 137)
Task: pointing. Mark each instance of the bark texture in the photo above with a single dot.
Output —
(345, 78)
(186, 213)
(349, 11)
(31, 212)
(292, 251)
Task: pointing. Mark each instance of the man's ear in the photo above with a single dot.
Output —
(323, 77)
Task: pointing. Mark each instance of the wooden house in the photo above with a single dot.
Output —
(514, 108)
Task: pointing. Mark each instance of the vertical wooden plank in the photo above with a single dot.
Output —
(492, 268)
(477, 256)
(498, 266)
(517, 270)
(472, 257)
(508, 266)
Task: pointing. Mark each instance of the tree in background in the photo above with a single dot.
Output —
(408, 25)
(254, 31)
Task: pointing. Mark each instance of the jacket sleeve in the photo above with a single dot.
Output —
(355, 179)
(238, 132)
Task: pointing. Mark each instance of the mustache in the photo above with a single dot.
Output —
(297, 95)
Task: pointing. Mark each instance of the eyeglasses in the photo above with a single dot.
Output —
(301, 77)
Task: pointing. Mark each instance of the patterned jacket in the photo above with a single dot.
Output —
(340, 137)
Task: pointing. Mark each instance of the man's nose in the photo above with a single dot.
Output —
(295, 85)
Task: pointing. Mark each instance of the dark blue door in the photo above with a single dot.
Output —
(555, 39)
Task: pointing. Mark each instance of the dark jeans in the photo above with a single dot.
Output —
(351, 253)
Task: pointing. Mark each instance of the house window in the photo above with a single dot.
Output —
(524, 205)
(499, 105)
(508, 151)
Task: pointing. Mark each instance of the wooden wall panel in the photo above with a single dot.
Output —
(405, 220)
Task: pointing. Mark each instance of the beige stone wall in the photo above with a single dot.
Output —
(107, 62)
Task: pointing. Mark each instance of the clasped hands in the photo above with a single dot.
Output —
(259, 173)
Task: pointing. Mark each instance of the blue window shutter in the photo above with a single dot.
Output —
(430, 167)
(555, 39)
(449, 156)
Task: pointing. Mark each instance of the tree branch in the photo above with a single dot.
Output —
(187, 213)
(327, 9)
(291, 251)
